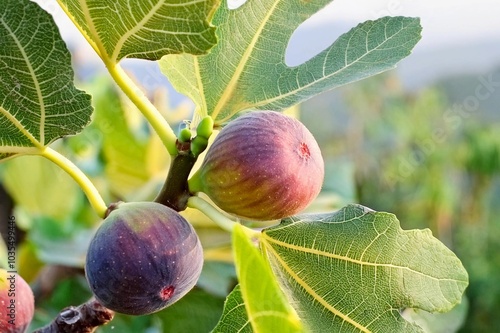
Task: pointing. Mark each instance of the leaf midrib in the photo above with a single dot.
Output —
(230, 88)
(130, 32)
(95, 38)
(13, 120)
(294, 247)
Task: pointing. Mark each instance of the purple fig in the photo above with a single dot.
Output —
(17, 304)
(144, 257)
(262, 166)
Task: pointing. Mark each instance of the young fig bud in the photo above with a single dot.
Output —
(185, 135)
(262, 166)
(205, 127)
(198, 145)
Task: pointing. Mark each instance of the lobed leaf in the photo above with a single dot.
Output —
(355, 270)
(38, 101)
(142, 29)
(247, 70)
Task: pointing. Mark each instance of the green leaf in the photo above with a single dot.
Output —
(144, 29)
(38, 101)
(265, 305)
(247, 70)
(355, 270)
(235, 317)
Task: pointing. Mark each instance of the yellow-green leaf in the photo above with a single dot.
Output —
(142, 29)
(355, 270)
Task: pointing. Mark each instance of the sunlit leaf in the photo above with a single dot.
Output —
(247, 70)
(265, 306)
(355, 270)
(38, 101)
(144, 29)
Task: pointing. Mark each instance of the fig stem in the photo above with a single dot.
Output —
(150, 112)
(175, 192)
(211, 212)
(93, 195)
(215, 215)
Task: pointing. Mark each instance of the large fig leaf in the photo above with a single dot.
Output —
(247, 70)
(38, 101)
(258, 297)
(143, 29)
(355, 270)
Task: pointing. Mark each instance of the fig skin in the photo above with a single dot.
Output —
(13, 288)
(143, 258)
(262, 166)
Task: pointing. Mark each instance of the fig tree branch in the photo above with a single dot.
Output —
(175, 191)
(82, 319)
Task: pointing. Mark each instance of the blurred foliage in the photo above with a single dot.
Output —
(410, 154)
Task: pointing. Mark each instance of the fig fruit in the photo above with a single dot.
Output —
(17, 304)
(144, 257)
(262, 166)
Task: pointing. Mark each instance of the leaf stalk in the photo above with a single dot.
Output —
(150, 112)
(93, 195)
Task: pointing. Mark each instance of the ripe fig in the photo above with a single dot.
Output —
(144, 257)
(262, 166)
(17, 304)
